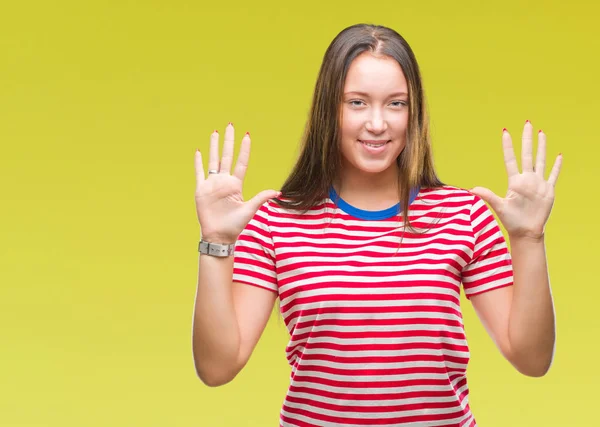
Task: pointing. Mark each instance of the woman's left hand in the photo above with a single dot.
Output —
(529, 199)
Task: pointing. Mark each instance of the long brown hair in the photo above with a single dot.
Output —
(319, 163)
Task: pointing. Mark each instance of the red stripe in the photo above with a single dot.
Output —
(386, 359)
(374, 421)
(372, 372)
(373, 310)
(385, 347)
(378, 322)
(449, 252)
(332, 263)
(379, 396)
(354, 243)
(372, 297)
(378, 334)
(376, 409)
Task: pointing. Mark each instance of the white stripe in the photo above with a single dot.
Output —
(397, 269)
(355, 278)
(371, 304)
(349, 246)
(375, 341)
(325, 424)
(374, 402)
(362, 366)
(485, 274)
(391, 261)
(383, 353)
(408, 293)
(367, 316)
(379, 390)
(490, 285)
(379, 328)
(375, 415)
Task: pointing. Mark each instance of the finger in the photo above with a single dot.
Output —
(540, 161)
(555, 170)
(261, 198)
(199, 168)
(213, 156)
(510, 161)
(527, 148)
(227, 158)
(243, 157)
(488, 196)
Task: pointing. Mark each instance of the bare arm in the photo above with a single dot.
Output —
(521, 320)
(229, 319)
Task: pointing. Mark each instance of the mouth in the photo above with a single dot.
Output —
(374, 143)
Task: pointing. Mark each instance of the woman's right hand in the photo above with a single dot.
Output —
(222, 212)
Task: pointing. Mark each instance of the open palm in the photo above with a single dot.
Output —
(526, 207)
(220, 206)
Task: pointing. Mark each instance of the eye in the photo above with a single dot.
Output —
(356, 103)
(399, 103)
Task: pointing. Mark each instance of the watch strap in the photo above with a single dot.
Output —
(215, 249)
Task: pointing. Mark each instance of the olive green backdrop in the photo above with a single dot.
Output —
(102, 105)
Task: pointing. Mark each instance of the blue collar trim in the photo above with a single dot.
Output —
(369, 215)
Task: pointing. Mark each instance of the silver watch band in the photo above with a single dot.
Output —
(215, 249)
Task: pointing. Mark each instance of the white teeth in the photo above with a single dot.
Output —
(374, 145)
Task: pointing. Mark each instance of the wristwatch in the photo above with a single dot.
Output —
(215, 249)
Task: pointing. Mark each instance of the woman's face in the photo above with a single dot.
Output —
(374, 115)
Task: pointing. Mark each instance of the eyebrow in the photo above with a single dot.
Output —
(366, 94)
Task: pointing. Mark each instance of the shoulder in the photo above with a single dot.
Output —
(447, 195)
(273, 211)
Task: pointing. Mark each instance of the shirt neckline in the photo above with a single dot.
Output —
(367, 214)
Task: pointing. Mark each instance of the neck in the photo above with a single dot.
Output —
(369, 191)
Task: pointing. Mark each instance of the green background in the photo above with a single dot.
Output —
(102, 105)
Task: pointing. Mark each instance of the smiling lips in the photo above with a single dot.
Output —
(373, 142)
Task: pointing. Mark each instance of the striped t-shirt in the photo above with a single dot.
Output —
(376, 331)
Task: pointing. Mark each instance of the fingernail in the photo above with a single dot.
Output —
(503, 130)
(526, 121)
(248, 133)
(540, 131)
(230, 124)
(216, 131)
(560, 154)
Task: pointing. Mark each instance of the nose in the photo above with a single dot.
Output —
(376, 123)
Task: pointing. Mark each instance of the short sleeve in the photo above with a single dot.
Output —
(490, 266)
(254, 255)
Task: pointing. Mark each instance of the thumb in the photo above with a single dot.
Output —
(488, 196)
(261, 198)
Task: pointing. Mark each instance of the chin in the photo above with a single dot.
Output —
(373, 168)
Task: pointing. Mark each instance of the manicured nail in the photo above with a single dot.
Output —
(216, 131)
(526, 121)
(230, 124)
(560, 154)
(503, 130)
(248, 133)
(540, 131)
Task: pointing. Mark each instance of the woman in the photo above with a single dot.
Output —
(369, 290)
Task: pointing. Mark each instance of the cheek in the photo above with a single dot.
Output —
(351, 125)
(400, 126)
